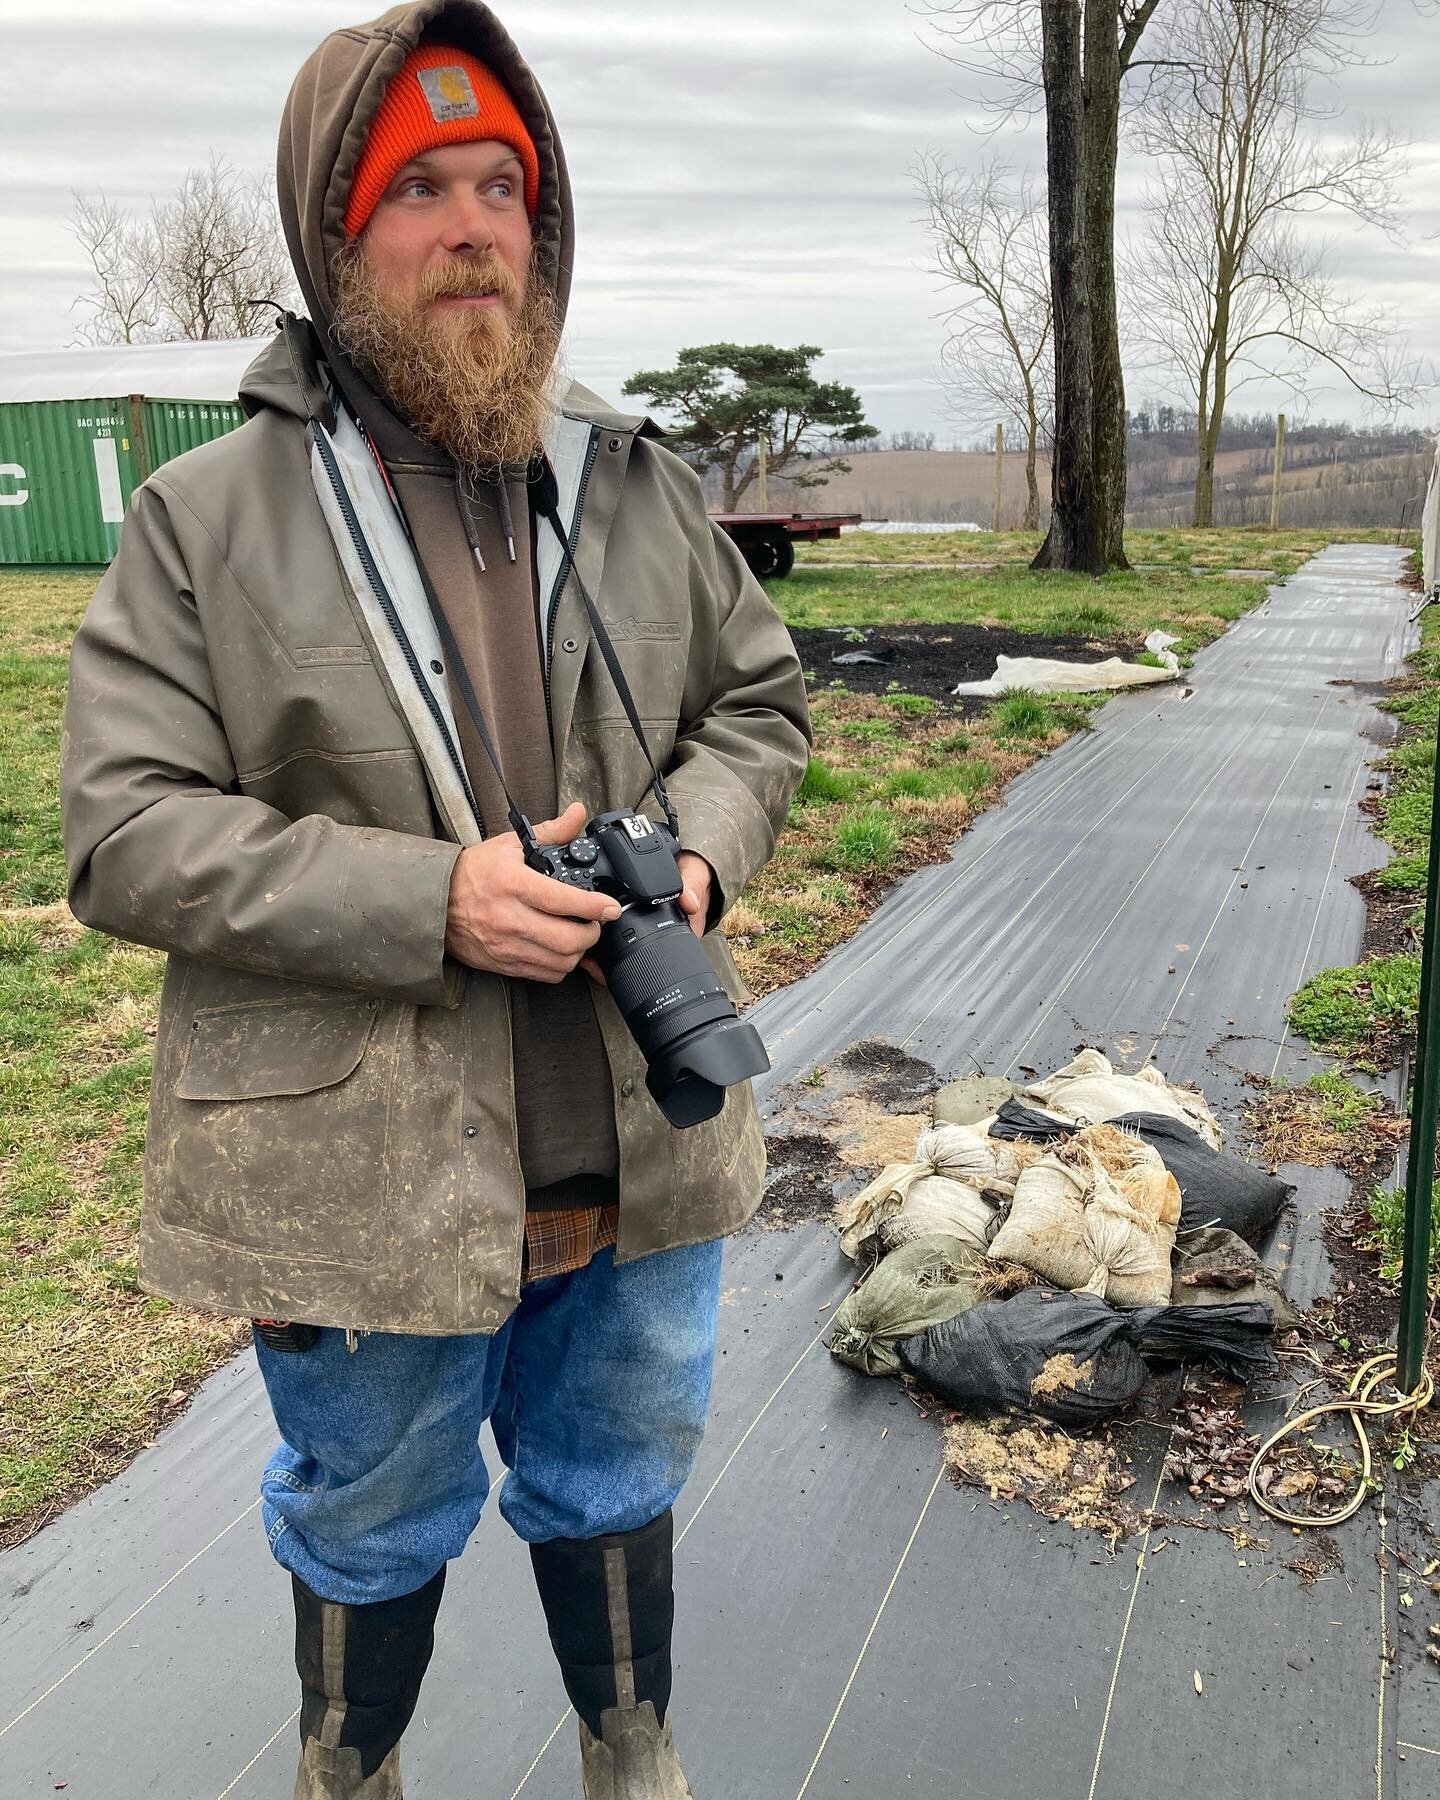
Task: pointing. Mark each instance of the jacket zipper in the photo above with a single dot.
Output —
(591, 451)
(387, 606)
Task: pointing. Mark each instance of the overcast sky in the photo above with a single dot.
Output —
(741, 172)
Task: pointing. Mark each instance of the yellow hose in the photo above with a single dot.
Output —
(1357, 1407)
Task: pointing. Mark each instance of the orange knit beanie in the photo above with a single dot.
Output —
(440, 96)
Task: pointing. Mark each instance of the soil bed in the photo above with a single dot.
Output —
(930, 659)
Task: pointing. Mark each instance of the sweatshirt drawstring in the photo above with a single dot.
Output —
(462, 500)
(465, 499)
(506, 525)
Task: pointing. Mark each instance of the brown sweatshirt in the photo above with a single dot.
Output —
(564, 1107)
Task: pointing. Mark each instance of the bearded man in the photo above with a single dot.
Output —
(396, 1117)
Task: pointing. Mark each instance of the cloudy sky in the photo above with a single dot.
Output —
(741, 171)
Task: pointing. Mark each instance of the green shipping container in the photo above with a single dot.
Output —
(69, 467)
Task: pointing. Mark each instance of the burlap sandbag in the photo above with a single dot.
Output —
(1089, 1090)
(919, 1285)
(957, 1178)
(1097, 1217)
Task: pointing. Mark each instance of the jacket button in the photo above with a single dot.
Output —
(469, 1131)
(615, 443)
(437, 667)
(627, 1088)
(570, 645)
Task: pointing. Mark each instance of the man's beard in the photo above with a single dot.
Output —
(477, 381)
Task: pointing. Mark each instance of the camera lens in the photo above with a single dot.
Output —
(678, 1012)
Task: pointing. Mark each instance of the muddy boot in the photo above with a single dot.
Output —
(610, 1606)
(360, 1673)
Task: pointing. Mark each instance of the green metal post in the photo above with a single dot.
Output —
(1420, 1176)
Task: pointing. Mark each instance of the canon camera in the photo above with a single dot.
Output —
(658, 972)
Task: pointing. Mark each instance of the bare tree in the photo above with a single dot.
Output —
(125, 256)
(1230, 285)
(990, 242)
(1091, 47)
(192, 268)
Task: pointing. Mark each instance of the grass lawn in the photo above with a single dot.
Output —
(1178, 583)
(89, 1366)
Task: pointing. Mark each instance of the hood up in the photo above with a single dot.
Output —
(334, 100)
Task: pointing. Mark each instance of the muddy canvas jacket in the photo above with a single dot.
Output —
(260, 776)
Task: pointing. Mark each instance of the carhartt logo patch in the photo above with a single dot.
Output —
(448, 93)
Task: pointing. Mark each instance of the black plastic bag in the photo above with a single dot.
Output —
(1017, 1120)
(1215, 1189)
(1074, 1358)
(1235, 1338)
(1065, 1356)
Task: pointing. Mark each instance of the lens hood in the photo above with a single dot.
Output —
(687, 1081)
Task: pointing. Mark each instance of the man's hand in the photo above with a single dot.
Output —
(695, 898)
(508, 919)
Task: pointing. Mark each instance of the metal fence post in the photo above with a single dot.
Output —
(1420, 1173)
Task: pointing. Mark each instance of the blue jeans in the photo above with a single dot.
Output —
(597, 1389)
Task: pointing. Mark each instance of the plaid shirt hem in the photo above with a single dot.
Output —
(558, 1242)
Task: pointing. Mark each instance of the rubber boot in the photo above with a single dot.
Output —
(610, 1606)
(360, 1673)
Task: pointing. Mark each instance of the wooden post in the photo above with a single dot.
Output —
(762, 457)
(999, 470)
(140, 448)
(1279, 464)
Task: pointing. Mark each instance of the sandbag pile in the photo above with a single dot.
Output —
(1036, 1258)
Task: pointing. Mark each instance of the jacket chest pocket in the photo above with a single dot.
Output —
(276, 1133)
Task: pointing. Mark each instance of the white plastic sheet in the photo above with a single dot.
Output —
(1043, 675)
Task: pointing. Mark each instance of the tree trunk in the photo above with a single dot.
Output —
(1074, 539)
(1212, 418)
(1031, 521)
(1101, 150)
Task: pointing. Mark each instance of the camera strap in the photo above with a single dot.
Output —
(545, 497)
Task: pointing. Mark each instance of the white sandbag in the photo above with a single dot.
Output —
(1089, 1090)
(1095, 1229)
(946, 1157)
(1044, 675)
(1045, 1227)
(937, 1206)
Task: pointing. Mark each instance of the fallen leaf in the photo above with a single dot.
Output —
(1199, 1684)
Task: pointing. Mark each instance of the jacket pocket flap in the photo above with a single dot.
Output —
(248, 1052)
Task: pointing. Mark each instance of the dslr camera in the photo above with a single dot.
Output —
(658, 972)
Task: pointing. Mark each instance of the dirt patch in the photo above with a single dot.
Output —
(800, 1186)
(1389, 915)
(840, 1127)
(1359, 1310)
(886, 1075)
(931, 659)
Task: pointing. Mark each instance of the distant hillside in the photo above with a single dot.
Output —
(1330, 478)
